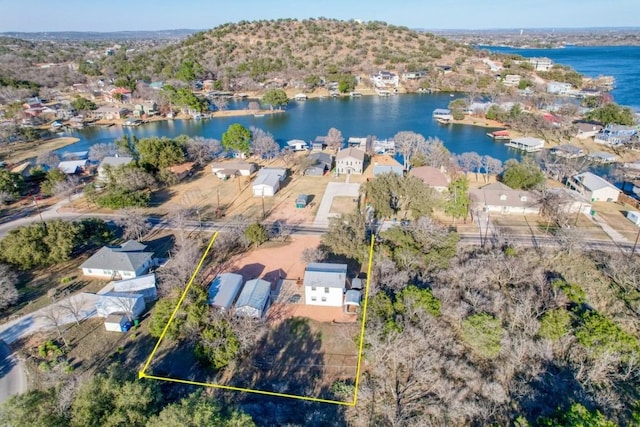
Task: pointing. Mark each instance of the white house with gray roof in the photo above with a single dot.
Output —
(593, 187)
(119, 262)
(325, 284)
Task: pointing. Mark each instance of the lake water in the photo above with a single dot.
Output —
(620, 62)
(367, 115)
(385, 116)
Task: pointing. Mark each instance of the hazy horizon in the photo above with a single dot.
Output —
(147, 15)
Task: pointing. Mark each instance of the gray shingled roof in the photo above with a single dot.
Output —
(128, 257)
(325, 275)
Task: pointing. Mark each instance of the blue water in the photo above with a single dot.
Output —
(368, 115)
(384, 117)
(621, 62)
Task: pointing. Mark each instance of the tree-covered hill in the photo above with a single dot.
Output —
(288, 49)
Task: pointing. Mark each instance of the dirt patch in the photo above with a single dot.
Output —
(268, 262)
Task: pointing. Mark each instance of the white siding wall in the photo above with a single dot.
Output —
(604, 194)
(320, 296)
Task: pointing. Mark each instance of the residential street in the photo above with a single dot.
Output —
(12, 376)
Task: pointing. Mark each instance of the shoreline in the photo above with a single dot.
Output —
(19, 152)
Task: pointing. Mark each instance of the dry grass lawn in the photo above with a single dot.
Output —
(614, 214)
(343, 205)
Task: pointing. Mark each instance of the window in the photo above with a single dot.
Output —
(324, 299)
(314, 298)
(313, 288)
(326, 290)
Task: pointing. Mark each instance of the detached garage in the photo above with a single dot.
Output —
(266, 185)
(254, 300)
(224, 289)
(113, 302)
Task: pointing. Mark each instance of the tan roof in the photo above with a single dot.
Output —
(384, 160)
(21, 167)
(431, 176)
(354, 153)
(498, 194)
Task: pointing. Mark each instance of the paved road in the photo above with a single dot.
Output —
(12, 377)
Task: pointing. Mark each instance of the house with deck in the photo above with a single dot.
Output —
(558, 88)
(593, 187)
(385, 78)
(325, 284)
(584, 130)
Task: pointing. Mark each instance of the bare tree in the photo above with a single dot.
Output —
(254, 106)
(202, 150)
(406, 143)
(220, 102)
(287, 156)
(73, 306)
(313, 255)
(334, 139)
(264, 146)
(491, 166)
(434, 152)
(97, 152)
(50, 158)
(8, 291)
(66, 188)
(177, 272)
(132, 179)
(54, 317)
(179, 220)
(134, 222)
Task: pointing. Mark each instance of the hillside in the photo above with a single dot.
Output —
(245, 54)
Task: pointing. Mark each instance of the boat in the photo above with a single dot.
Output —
(383, 92)
(132, 122)
(197, 116)
(300, 97)
(444, 121)
(355, 94)
(499, 135)
(258, 115)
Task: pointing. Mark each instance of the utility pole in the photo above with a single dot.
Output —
(633, 250)
(263, 215)
(35, 202)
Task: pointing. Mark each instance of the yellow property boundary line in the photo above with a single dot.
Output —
(142, 374)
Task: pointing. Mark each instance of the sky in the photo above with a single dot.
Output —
(131, 15)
